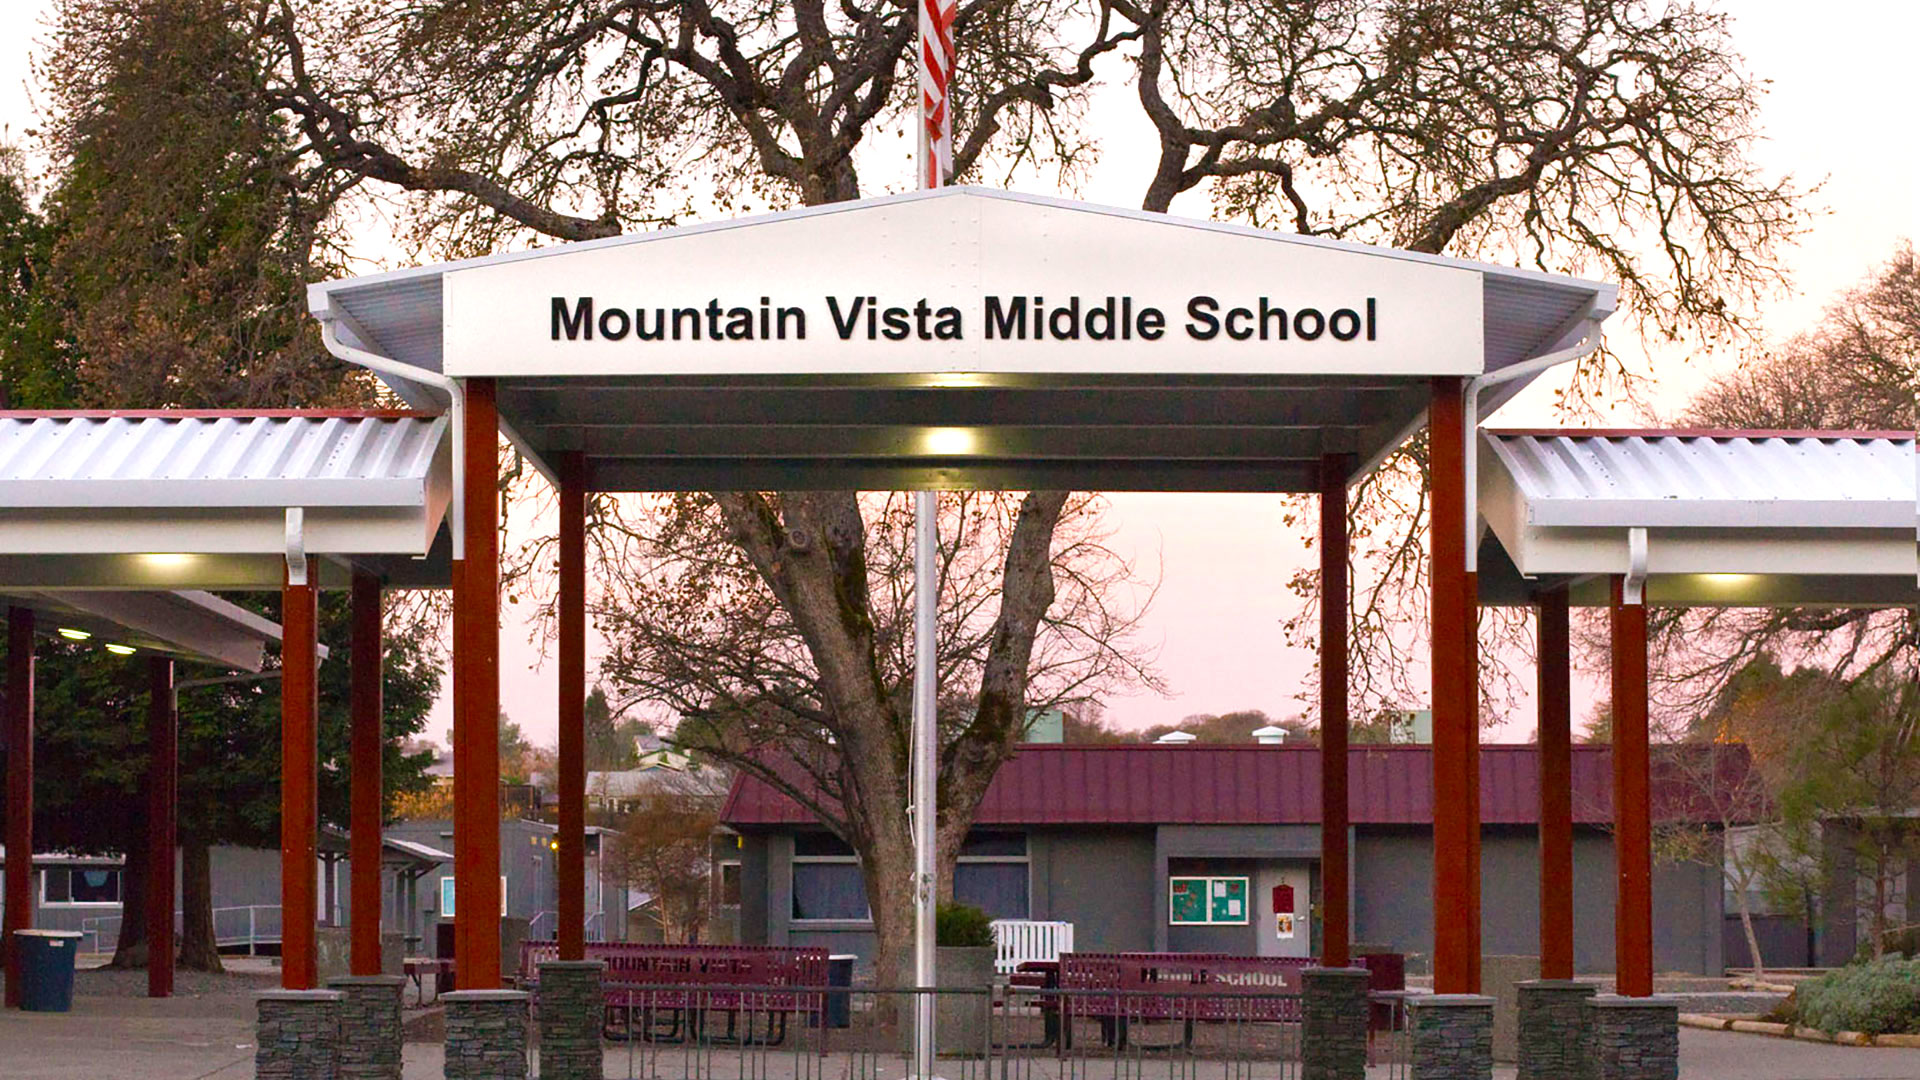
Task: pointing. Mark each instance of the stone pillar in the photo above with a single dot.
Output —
(1333, 1032)
(297, 1036)
(1553, 1029)
(570, 1006)
(371, 1036)
(1452, 1036)
(1633, 1038)
(486, 1034)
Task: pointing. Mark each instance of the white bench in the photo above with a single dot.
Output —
(1018, 941)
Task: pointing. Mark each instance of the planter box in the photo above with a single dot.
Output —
(961, 1020)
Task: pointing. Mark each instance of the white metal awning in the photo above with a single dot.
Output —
(187, 625)
(845, 404)
(1711, 518)
(165, 500)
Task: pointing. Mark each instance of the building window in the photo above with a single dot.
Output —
(827, 883)
(446, 897)
(77, 886)
(992, 874)
(729, 884)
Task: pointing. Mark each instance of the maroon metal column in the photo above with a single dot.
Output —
(1555, 701)
(1632, 809)
(366, 796)
(1336, 921)
(476, 703)
(163, 761)
(19, 874)
(1456, 728)
(299, 784)
(570, 870)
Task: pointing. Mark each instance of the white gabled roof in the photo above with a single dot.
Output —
(200, 499)
(1730, 518)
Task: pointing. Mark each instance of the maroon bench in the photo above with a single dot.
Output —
(681, 986)
(1178, 987)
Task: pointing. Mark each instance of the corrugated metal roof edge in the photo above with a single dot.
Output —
(219, 414)
(1699, 433)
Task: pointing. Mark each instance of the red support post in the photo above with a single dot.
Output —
(367, 797)
(1632, 808)
(1555, 700)
(1336, 921)
(19, 872)
(163, 760)
(1456, 727)
(476, 702)
(570, 868)
(299, 784)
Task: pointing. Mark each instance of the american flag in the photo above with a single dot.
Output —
(936, 75)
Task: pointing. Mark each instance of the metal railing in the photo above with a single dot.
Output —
(251, 925)
(545, 926)
(837, 1033)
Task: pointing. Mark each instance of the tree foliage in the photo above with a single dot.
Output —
(664, 849)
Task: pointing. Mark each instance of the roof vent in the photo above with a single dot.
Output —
(1271, 735)
(1176, 738)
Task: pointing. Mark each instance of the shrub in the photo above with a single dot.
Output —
(964, 926)
(1878, 997)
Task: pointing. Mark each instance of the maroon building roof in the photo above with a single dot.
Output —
(1280, 785)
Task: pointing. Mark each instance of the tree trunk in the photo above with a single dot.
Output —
(130, 951)
(199, 951)
(1753, 940)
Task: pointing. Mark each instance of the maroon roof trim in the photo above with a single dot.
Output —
(1272, 785)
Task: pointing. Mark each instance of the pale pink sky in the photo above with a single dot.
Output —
(1837, 113)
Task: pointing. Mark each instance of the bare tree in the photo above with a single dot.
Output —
(1545, 130)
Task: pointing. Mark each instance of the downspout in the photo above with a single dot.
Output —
(1582, 349)
(456, 414)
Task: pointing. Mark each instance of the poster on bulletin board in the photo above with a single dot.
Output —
(1207, 901)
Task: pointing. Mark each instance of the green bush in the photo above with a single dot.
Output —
(961, 926)
(1877, 997)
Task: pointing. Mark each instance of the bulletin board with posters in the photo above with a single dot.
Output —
(1207, 901)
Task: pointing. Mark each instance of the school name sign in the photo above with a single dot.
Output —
(1002, 318)
(961, 283)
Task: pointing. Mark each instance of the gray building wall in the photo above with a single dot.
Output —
(1393, 899)
(1111, 883)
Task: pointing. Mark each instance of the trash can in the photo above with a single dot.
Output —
(46, 968)
(840, 1006)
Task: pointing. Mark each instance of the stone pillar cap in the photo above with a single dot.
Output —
(298, 995)
(1459, 1001)
(1619, 1001)
(1341, 972)
(367, 980)
(573, 965)
(462, 996)
(1560, 984)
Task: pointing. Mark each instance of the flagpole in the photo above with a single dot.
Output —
(932, 163)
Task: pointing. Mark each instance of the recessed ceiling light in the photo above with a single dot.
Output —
(121, 650)
(71, 634)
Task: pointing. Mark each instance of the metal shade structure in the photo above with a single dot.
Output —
(185, 625)
(1705, 518)
(986, 409)
(201, 500)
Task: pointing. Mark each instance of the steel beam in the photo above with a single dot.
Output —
(570, 869)
(1632, 793)
(163, 777)
(1456, 728)
(1555, 702)
(299, 786)
(1336, 924)
(476, 702)
(367, 795)
(19, 872)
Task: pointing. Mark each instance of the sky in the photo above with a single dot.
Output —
(1836, 114)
